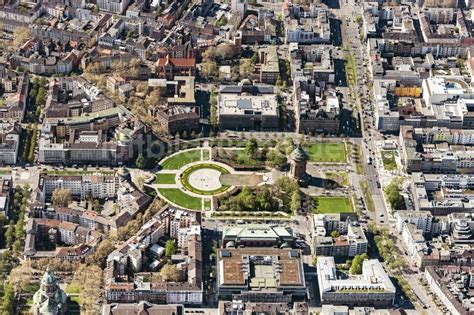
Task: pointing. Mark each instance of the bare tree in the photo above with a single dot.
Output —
(246, 68)
(20, 36)
(209, 69)
(20, 277)
(225, 51)
(170, 272)
(61, 197)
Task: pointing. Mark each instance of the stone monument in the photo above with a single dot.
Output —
(298, 160)
(49, 299)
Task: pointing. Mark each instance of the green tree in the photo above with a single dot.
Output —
(264, 200)
(3, 222)
(392, 192)
(251, 148)
(348, 264)
(158, 10)
(19, 232)
(221, 22)
(33, 93)
(9, 235)
(356, 266)
(140, 161)
(170, 248)
(246, 199)
(213, 101)
(16, 248)
(8, 305)
(335, 234)
(42, 81)
(37, 112)
(278, 82)
(255, 59)
(41, 96)
(397, 263)
(96, 206)
(276, 159)
(286, 185)
(295, 201)
(289, 142)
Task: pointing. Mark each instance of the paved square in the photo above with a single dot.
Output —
(206, 179)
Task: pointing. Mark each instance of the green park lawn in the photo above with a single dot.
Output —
(332, 205)
(243, 159)
(388, 159)
(181, 159)
(327, 152)
(162, 178)
(176, 196)
(207, 204)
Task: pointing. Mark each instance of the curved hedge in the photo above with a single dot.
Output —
(185, 179)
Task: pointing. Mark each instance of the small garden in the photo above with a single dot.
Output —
(393, 195)
(256, 156)
(283, 196)
(388, 159)
(336, 179)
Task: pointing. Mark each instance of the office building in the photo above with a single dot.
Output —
(373, 287)
(260, 274)
(247, 107)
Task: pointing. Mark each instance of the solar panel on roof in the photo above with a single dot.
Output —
(225, 253)
(244, 104)
(293, 254)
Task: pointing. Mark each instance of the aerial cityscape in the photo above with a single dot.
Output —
(236, 157)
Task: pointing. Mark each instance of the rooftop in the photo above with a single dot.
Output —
(260, 268)
(373, 278)
(247, 99)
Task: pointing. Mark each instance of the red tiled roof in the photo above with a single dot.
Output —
(178, 62)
